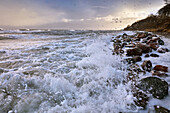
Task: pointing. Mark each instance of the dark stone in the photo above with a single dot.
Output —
(134, 52)
(130, 45)
(163, 50)
(130, 60)
(118, 41)
(160, 109)
(154, 45)
(147, 65)
(161, 68)
(157, 73)
(147, 55)
(124, 35)
(145, 48)
(141, 99)
(156, 86)
(161, 42)
(137, 58)
(154, 55)
(124, 44)
(127, 39)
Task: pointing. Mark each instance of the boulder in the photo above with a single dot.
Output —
(134, 52)
(123, 44)
(154, 55)
(142, 35)
(147, 65)
(130, 60)
(162, 50)
(157, 73)
(130, 45)
(160, 109)
(156, 86)
(147, 55)
(161, 42)
(137, 58)
(141, 99)
(161, 68)
(153, 40)
(127, 39)
(154, 45)
(145, 48)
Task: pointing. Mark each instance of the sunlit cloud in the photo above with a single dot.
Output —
(77, 14)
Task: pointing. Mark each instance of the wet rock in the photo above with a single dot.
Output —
(157, 73)
(161, 68)
(135, 68)
(163, 50)
(127, 39)
(118, 41)
(160, 109)
(153, 40)
(156, 86)
(149, 37)
(161, 42)
(123, 44)
(2, 51)
(145, 48)
(154, 55)
(130, 60)
(118, 49)
(130, 45)
(141, 99)
(124, 36)
(154, 45)
(137, 58)
(142, 35)
(147, 65)
(147, 55)
(134, 52)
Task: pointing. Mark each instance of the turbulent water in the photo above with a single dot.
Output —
(54, 71)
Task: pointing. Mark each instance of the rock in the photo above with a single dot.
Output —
(154, 45)
(142, 35)
(156, 86)
(118, 41)
(161, 68)
(141, 99)
(123, 44)
(160, 109)
(147, 55)
(124, 36)
(157, 73)
(161, 42)
(134, 52)
(149, 37)
(127, 40)
(130, 60)
(145, 48)
(130, 45)
(154, 55)
(2, 52)
(153, 40)
(162, 50)
(137, 58)
(147, 65)
(135, 68)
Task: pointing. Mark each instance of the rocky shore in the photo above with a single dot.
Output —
(147, 80)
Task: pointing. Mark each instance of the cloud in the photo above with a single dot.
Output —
(75, 13)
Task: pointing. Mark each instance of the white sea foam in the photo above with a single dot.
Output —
(76, 74)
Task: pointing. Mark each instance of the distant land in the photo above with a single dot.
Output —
(154, 23)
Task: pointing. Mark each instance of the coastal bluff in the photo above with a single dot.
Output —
(154, 23)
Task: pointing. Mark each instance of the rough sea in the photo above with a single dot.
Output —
(66, 71)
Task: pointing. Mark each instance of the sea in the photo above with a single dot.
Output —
(67, 71)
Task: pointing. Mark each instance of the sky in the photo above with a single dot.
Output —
(75, 14)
